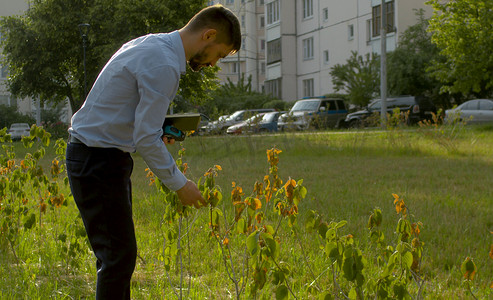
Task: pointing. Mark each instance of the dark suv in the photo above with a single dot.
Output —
(417, 109)
(314, 112)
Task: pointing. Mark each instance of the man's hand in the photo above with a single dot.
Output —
(169, 141)
(189, 194)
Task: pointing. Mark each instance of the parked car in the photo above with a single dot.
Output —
(245, 126)
(204, 122)
(220, 126)
(260, 123)
(477, 111)
(417, 108)
(314, 112)
(19, 130)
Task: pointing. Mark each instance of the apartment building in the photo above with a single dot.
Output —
(305, 38)
(250, 60)
(289, 46)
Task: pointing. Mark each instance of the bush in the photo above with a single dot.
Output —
(9, 115)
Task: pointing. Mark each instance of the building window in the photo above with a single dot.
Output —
(5, 71)
(243, 43)
(307, 8)
(368, 31)
(273, 51)
(325, 14)
(377, 17)
(350, 32)
(242, 20)
(308, 48)
(262, 68)
(273, 87)
(326, 57)
(235, 67)
(273, 12)
(308, 88)
(262, 44)
(262, 21)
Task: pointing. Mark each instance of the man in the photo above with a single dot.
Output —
(123, 113)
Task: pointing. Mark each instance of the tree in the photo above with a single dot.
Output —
(9, 115)
(231, 97)
(464, 33)
(359, 78)
(407, 65)
(43, 47)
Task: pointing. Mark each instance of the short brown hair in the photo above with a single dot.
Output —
(221, 19)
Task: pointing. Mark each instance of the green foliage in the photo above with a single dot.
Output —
(445, 135)
(25, 189)
(463, 32)
(231, 97)
(408, 64)
(9, 115)
(359, 78)
(307, 255)
(43, 47)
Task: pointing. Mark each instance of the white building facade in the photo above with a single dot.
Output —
(288, 46)
(250, 60)
(306, 38)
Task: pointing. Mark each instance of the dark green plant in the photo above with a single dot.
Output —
(9, 115)
(359, 78)
(231, 97)
(43, 47)
(26, 191)
(462, 31)
(408, 64)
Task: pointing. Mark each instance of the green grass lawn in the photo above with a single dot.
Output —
(444, 178)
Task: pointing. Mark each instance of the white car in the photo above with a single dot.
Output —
(477, 111)
(19, 130)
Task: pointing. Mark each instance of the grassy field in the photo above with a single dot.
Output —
(444, 177)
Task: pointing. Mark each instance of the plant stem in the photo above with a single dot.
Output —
(306, 260)
(285, 280)
(180, 256)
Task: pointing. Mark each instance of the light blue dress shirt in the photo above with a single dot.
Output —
(127, 104)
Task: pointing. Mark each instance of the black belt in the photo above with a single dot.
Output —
(74, 140)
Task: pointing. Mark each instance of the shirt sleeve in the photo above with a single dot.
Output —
(156, 86)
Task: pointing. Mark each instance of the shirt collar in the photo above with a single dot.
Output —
(178, 43)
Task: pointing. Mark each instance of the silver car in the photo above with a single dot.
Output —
(477, 111)
(19, 130)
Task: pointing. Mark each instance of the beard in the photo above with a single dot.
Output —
(198, 60)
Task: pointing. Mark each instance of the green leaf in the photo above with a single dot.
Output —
(468, 268)
(282, 292)
(29, 223)
(341, 224)
(407, 259)
(303, 192)
(322, 229)
(271, 244)
(326, 296)
(353, 294)
(400, 290)
(62, 237)
(241, 225)
(252, 243)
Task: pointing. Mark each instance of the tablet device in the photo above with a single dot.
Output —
(175, 126)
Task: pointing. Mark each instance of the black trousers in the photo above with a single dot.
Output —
(100, 183)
